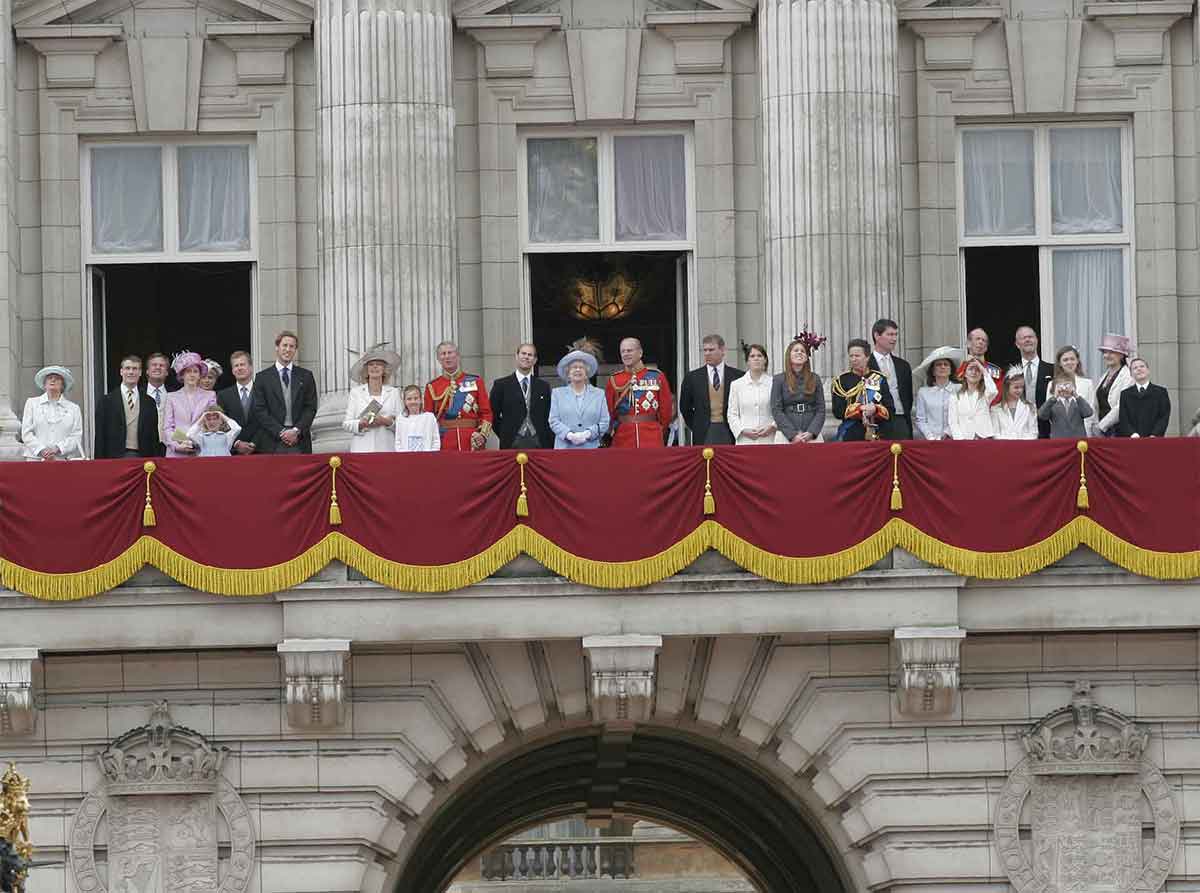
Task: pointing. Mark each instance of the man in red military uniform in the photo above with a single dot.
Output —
(639, 401)
(977, 345)
(460, 402)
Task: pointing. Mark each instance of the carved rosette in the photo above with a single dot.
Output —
(162, 792)
(1087, 789)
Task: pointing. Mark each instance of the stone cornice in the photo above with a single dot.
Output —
(1139, 29)
(260, 48)
(948, 33)
(699, 37)
(508, 40)
(70, 50)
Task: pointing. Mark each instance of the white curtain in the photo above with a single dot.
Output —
(126, 199)
(214, 198)
(998, 182)
(651, 188)
(1085, 179)
(564, 191)
(1089, 298)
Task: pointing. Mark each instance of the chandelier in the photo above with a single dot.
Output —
(594, 299)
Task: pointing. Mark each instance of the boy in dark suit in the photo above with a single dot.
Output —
(1146, 407)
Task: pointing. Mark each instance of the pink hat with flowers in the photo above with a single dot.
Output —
(186, 360)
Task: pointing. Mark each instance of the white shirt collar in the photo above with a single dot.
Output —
(521, 376)
(720, 367)
(880, 357)
(279, 367)
(151, 389)
(249, 385)
(126, 389)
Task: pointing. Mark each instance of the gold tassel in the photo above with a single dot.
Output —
(148, 518)
(523, 498)
(335, 511)
(1081, 501)
(710, 504)
(897, 499)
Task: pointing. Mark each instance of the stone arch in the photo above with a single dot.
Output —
(703, 786)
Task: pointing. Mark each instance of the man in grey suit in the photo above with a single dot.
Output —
(284, 401)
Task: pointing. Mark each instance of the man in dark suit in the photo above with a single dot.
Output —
(284, 401)
(898, 373)
(126, 418)
(236, 402)
(703, 389)
(521, 406)
(1145, 408)
(1037, 373)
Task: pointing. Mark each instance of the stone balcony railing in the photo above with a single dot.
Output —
(559, 860)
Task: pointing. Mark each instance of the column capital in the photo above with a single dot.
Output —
(623, 676)
(17, 713)
(315, 679)
(928, 668)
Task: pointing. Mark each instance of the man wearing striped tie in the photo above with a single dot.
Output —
(235, 401)
(126, 418)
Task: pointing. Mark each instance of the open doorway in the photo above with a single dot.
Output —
(1003, 292)
(608, 296)
(147, 308)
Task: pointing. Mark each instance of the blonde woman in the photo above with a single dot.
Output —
(373, 404)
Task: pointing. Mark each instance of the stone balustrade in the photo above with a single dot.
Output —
(559, 860)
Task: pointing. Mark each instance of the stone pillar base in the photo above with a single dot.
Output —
(328, 435)
(10, 429)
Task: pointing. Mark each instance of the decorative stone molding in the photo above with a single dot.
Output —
(260, 48)
(699, 37)
(948, 33)
(70, 51)
(315, 674)
(929, 662)
(17, 713)
(1139, 30)
(162, 791)
(604, 66)
(508, 41)
(623, 676)
(1085, 754)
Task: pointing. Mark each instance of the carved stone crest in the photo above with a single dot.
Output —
(162, 791)
(1088, 795)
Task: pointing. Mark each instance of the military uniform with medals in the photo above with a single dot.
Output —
(851, 392)
(462, 407)
(639, 403)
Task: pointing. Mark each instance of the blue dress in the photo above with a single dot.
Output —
(570, 412)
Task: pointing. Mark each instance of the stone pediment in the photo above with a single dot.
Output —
(549, 7)
(36, 13)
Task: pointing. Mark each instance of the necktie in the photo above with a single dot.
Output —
(286, 376)
(245, 402)
(158, 398)
(129, 400)
(1029, 383)
(525, 387)
(716, 379)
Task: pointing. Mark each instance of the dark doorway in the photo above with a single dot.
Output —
(1003, 293)
(144, 308)
(608, 297)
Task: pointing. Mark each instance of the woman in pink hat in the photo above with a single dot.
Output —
(185, 407)
(1115, 351)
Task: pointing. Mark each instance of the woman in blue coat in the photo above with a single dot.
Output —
(578, 411)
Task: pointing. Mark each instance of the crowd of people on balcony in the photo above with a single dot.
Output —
(961, 396)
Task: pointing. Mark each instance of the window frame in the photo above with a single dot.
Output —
(1043, 237)
(606, 185)
(171, 252)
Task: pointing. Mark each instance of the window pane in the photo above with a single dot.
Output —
(564, 191)
(998, 182)
(214, 198)
(126, 199)
(1089, 297)
(651, 188)
(1085, 179)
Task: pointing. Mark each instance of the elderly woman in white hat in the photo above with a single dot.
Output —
(52, 425)
(373, 404)
(578, 410)
(1115, 351)
(931, 409)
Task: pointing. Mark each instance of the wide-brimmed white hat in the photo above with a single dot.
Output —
(376, 354)
(953, 354)
(577, 356)
(39, 377)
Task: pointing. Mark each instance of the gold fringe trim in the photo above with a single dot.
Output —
(335, 546)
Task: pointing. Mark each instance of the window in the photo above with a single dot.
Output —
(617, 190)
(176, 201)
(1064, 191)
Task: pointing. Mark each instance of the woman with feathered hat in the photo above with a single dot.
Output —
(185, 407)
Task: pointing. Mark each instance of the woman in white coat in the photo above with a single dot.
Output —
(1115, 351)
(1014, 417)
(970, 409)
(52, 425)
(749, 413)
(373, 404)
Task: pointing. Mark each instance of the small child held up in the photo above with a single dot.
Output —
(214, 433)
(416, 431)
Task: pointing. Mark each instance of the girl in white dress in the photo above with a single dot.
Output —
(749, 414)
(416, 431)
(970, 410)
(1014, 417)
(214, 433)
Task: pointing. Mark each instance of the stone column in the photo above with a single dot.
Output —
(831, 170)
(385, 181)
